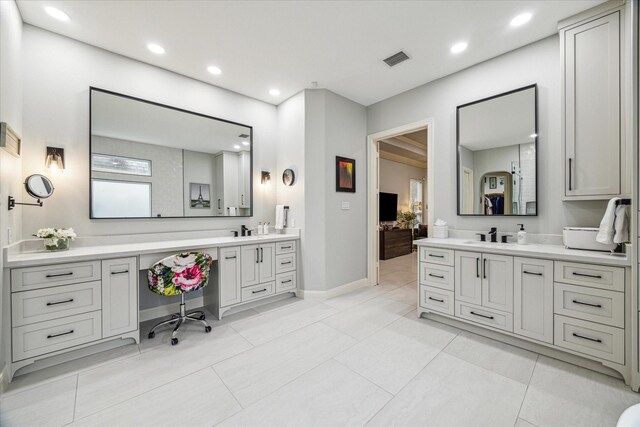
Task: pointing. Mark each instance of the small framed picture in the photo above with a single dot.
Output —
(493, 182)
(200, 196)
(345, 175)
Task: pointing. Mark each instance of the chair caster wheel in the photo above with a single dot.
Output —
(151, 335)
(174, 341)
(207, 329)
(202, 317)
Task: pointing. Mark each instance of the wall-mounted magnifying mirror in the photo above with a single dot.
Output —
(38, 187)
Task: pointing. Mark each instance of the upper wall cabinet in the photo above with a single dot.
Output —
(591, 97)
(153, 161)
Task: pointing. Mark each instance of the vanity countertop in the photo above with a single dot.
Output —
(14, 257)
(534, 250)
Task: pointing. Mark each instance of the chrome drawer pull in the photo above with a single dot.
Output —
(257, 292)
(531, 272)
(286, 281)
(436, 299)
(285, 263)
(60, 302)
(119, 272)
(435, 275)
(49, 276)
(230, 257)
(436, 256)
(60, 334)
(587, 303)
(586, 338)
(481, 315)
(593, 276)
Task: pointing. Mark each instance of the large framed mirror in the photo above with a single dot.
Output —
(149, 160)
(497, 141)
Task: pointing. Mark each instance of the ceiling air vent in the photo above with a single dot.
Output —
(396, 58)
(243, 135)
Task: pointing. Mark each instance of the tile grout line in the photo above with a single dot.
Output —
(230, 392)
(527, 389)
(75, 398)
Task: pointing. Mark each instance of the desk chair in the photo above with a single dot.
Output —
(178, 275)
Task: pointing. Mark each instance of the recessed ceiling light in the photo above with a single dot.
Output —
(246, 143)
(521, 19)
(56, 13)
(155, 48)
(274, 92)
(214, 70)
(458, 47)
(237, 147)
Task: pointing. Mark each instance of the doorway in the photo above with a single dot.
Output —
(406, 147)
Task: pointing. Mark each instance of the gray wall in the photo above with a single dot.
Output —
(11, 67)
(535, 63)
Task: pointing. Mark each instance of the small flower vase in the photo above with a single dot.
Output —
(57, 244)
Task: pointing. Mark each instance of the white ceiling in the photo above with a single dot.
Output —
(260, 45)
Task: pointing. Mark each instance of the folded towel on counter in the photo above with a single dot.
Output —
(279, 217)
(621, 225)
(607, 225)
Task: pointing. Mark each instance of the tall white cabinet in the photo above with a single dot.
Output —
(592, 119)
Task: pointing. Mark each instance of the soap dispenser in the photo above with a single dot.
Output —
(522, 235)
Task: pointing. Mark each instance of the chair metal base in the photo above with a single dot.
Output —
(180, 318)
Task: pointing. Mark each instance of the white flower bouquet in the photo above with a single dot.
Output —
(56, 239)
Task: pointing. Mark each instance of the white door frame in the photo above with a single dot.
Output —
(373, 186)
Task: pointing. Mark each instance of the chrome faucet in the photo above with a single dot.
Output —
(494, 234)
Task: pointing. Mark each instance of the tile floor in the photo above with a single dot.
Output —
(359, 359)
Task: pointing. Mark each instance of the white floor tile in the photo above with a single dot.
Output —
(276, 323)
(199, 399)
(503, 359)
(48, 405)
(397, 278)
(452, 392)
(565, 395)
(364, 319)
(358, 296)
(254, 374)
(523, 423)
(394, 355)
(329, 395)
(407, 294)
(116, 382)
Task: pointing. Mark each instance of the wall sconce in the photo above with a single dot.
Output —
(266, 177)
(55, 159)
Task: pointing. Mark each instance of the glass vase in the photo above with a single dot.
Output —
(57, 244)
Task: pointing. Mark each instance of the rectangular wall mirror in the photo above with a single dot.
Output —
(497, 143)
(150, 160)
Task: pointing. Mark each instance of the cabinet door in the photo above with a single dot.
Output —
(219, 200)
(468, 281)
(250, 263)
(267, 262)
(244, 179)
(119, 296)
(592, 108)
(229, 265)
(230, 171)
(497, 282)
(533, 299)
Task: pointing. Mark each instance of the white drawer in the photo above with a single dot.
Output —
(591, 304)
(485, 316)
(53, 335)
(258, 291)
(286, 262)
(25, 279)
(436, 256)
(436, 300)
(51, 303)
(593, 275)
(604, 342)
(439, 276)
(286, 282)
(285, 247)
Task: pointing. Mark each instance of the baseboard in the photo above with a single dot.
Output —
(4, 378)
(334, 292)
(169, 309)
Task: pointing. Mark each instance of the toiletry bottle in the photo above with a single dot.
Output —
(260, 228)
(266, 228)
(522, 235)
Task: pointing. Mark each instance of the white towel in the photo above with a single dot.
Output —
(279, 217)
(621, 225)
(232, 211)
(607, 230)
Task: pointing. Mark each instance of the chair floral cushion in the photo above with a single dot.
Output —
(177, 274)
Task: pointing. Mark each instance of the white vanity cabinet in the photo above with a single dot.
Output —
(258, 264)
(226, 164)
(533, 298)
(229, 276)
(244, 179)
(591, 104)
(119, 296)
